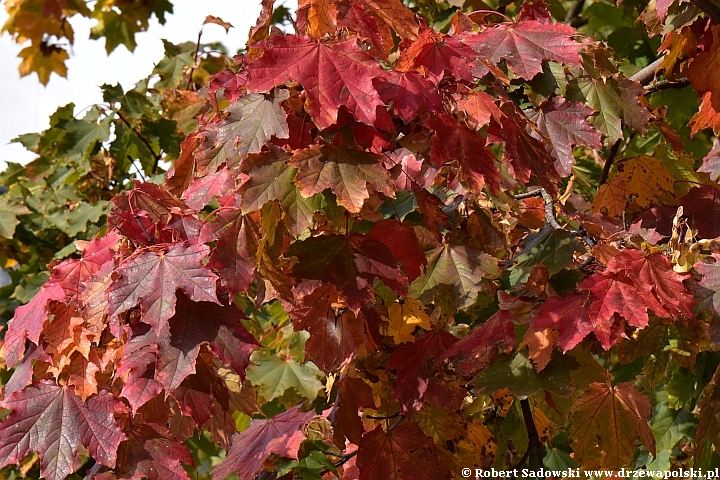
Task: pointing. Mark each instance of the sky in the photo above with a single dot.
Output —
(26, 104)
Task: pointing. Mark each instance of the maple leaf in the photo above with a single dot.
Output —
(478, 348)
(404, 452)
(333, 73)
(280, 435)
(569, 315)
(321, 16)
(524, 45)
(527, 154)
(403, 317)
(606, 421)
(564, 124)
(701, 68)
(710, 283)
(9, 210)
(72, 274)
(706, 117)
(275, 374)
(612, 197)
(195, 323)
(617, 292)
(396, 15)
(437, 53)
(701, 204)
(655, 273)
(479, 108)
(202, 190)
(552, 247)
(711, 161)
(411, 93)
(359, 19)
(616, 101)
(52, 421)
(250, 123)
(151, 277)
(402, 241)
(351, 262)
(353, 394)
(646, 178)
(237, 236)
(453, 141)
(346, 171)
(152, 452)
(269, 178)
(28, 322)
(334, 335)
(414, 364)
(459, 267)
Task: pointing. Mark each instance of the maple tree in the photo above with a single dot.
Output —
(394, 243)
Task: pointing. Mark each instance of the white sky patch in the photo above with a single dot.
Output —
(26, 105)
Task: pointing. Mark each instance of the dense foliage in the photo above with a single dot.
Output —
(389, 246)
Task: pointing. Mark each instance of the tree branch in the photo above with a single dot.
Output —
(534, 443)
(666, 84)
(709, 7)
(647, 74)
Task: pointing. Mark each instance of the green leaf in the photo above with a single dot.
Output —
(463, 268)
(172, 68)
(669, 426)
(10, 208)
(275, 374)
(552, 247)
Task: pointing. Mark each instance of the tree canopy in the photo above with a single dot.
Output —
(393, 241)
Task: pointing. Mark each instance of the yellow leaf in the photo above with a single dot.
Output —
(611, 197)
(403, 317)
(43, 60)
(646, 178)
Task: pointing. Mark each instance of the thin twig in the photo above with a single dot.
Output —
(142, 138)
(195, 57)
(667, 84)
(534, 443)
(142, 227)
(138, 168)
(608, 163)
(647, 74)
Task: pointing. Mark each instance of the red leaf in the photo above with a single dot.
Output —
(335, 335)
(72, 274)
(353, 394)
(280, 435)
(703, 205)
(431, 209)
(28, 322)
(351, 262)
(196, 323)
(569, 315)
(52, 421)
(437, 53)
(216, 185)
(151, 277)
(333, 74)
(476, 350)
(151, 452)
(527, 153)
(347, 171)
(411, 92)
(711, 162)
(453, 141)
(524, 45)
(400, 238)
(565, 125)
(237, 242)
(402, 453)
(479, 108)
(414, 363)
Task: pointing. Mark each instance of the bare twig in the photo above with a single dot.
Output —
(534, 443)
(138, 168)
(647, 74)
(195, 57)
(608, 163)
(667, 84)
